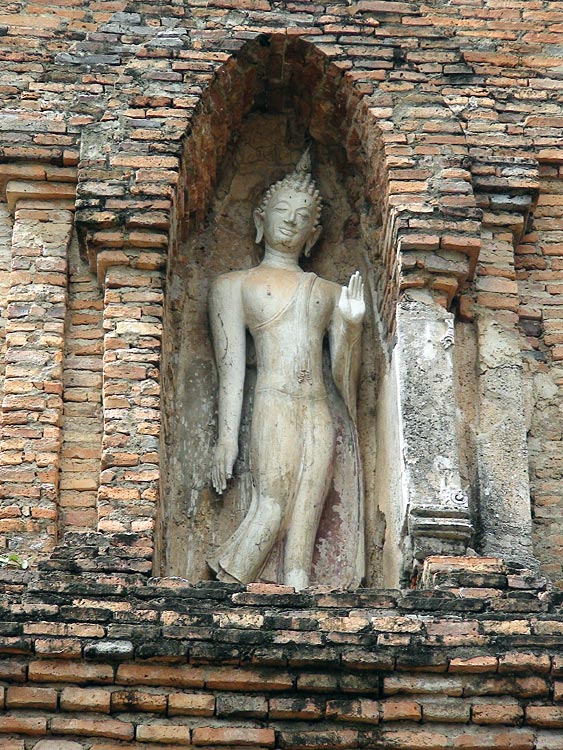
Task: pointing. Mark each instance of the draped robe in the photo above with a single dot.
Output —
(307, 486)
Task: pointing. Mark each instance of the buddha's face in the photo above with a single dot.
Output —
(289, 220)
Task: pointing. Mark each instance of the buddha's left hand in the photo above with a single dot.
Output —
(351, 304)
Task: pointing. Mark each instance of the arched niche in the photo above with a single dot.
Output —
(282, 92)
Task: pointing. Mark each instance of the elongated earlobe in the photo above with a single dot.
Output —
(311, 241)
(259, 224)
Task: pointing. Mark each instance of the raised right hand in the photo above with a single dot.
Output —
(351, 304)
(224, 457)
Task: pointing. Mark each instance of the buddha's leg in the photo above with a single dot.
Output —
(317, 460)
(275, 459)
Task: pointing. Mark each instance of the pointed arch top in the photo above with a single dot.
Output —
(368, 103)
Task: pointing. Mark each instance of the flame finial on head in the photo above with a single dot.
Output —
(304, 164)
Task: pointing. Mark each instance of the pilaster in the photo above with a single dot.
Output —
(42, 204)
(502, 451)
(506, 190)
(436, 509)
(128, 494)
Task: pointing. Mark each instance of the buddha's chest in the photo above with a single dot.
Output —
(287, 303)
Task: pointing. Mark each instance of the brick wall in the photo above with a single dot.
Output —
(449, 114)
(115, 662)
(421, 108)
(153, 99)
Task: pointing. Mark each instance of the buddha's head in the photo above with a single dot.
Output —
(288, 218)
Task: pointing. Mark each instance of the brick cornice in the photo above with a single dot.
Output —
(37, 182)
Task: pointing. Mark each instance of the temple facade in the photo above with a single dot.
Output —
(136, 140)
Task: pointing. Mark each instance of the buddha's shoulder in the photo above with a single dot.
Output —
(228, 280)
(329, 287)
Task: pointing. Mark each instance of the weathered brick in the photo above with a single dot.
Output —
(545, 716)
(191, 704)
(165, 733)
(139, 700)
(296, 708)
(475, 664)
(497, 713)
(12, 671)
(64, 648)
(242, 679)
(341, 738)
(69, 671)
(361, 710)
(28, 725)
(151, 674)
(111, 728)
(85, 699)
(252, 706)
(209, 736)
(522, 662)
(31, 697)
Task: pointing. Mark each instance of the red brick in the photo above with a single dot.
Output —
(165, 733)
(85, 699)
(243, 679)
(191, 704)
(497, 713)
(233, 736)
(69, 671)
(401, 711)
(31, 697)
(28, 725)
(150, 674)
(118, 730)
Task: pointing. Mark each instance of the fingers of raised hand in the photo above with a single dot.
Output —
(356, 286)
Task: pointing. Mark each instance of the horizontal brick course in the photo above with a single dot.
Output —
(441, 111)
(479, 704)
